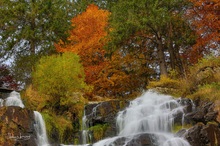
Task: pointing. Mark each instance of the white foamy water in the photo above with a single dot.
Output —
(150, 113)
(40, 130)
(85, 136)
(14, 99)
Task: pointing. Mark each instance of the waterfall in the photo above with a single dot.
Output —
(40, 130)
(150, 113)
(85, 136)
(14, 99)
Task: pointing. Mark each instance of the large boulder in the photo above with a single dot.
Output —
(205, 130)
(204, 113)
(203, 135)
(17, 127)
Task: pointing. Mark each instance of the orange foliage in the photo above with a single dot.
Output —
(205, 18)
(124, 74)
(87, 39)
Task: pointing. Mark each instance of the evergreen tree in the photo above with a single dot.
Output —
(152, 24)
(28, 30)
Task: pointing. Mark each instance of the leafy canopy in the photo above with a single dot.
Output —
(87, 39)
(28, 30)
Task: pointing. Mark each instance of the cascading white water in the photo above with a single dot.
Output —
(1, 102)
(40, 130)
(85, 135)
(14, 99)
(150, 113)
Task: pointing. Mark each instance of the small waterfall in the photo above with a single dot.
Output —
(1, 102)
(40, 130)
(14, 99)
(85, 136)
(151, 113)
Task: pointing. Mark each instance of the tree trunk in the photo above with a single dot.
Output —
(161, 58)
(170, 47)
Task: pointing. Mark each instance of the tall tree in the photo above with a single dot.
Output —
(108, 77)
(151, 21)
(28, 29)
(87, 40)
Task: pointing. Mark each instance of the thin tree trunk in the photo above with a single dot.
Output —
(170, 47)
(161, 58)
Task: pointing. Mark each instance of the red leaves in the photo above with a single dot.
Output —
(6, 79)
(205, 20)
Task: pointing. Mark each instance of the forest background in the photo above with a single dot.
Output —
(63, 54)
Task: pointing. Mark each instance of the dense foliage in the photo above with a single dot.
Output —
(28, 30)
(59, 77)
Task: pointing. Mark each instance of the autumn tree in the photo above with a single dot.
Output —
(87, 39)
(59, 76)
(204, 16)
(28, 30)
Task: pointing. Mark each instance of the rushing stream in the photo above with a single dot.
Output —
(152, 114)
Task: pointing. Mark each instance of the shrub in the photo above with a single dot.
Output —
(59, 77)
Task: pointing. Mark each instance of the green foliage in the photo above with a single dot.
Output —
(178, 127)
(210, 91)
(58, 125)
(147, 16)
(203, 81)
(59, 75)
(60, 79)
(203, 75)
(61, 123)
(149, 25)
(99, 131)
(28, 30)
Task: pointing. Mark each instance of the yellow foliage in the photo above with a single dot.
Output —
(164, 82)
(33, 99)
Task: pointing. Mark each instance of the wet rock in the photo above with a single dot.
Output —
(17, 127)
(145, 139)
(104, 113)
(217, 109)
(203, 113)
(187, 103)
(181, 133)
(203, 135)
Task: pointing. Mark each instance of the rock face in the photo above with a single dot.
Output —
(204, 113)
(102, 115)
(205, 130)
(17, 127)
(203, 135)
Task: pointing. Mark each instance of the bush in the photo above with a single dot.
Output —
(201, 82)
(203, 76)
(59, 77)
(166, 85)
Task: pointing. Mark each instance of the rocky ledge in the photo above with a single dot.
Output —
(17, 127)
